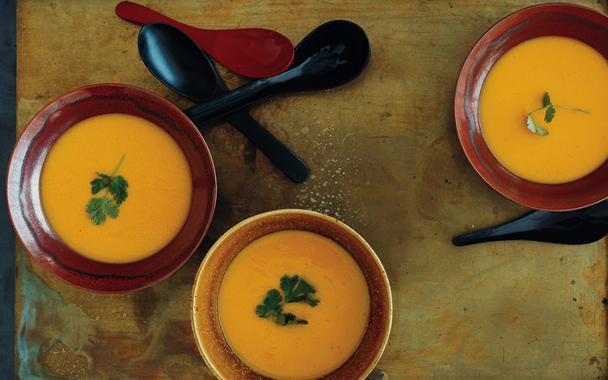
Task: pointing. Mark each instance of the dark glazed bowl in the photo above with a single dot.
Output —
(205, 323)
(566, 20)
(23, 188)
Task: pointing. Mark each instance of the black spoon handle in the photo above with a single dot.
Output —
(325, 68)
(581, 226)
(286, 160)
(231, 101)
(521, 229)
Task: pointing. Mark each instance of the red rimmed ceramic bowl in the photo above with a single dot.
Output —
(27, 213)
(204, 311)
(566, 20)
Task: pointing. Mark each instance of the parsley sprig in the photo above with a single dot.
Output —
(116, 186)
(295, 290)
(549, 115)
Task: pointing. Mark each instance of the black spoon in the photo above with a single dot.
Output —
(331, 55)
(177, 61)
(580, 226)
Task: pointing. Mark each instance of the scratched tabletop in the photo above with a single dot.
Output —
(384, 159)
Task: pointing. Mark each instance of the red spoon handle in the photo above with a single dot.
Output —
(142, 15)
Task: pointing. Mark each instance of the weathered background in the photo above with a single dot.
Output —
(384, 158)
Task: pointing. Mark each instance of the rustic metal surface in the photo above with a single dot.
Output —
(384, 159)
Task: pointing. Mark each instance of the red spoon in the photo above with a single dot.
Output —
(252, 52)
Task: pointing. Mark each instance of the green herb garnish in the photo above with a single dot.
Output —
(98, 208)
(295, 290)
(549, 115)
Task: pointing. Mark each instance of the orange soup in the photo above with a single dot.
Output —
(158, 194)
(575, 75)
(336, 325)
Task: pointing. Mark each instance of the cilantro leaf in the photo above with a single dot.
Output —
(270, 303)
(536, 129)
(550, 114)
(290, 319)
(118, 188)
(280, 319)
(98, 208)
(295, 290)
(546, 100)
(99, 184)
(112, 209)
(550, 109)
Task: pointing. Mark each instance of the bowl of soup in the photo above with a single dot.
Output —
(111, 188)
(529, 107)
(291, 294)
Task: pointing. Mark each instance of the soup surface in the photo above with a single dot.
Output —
(159, 187)
(335, 326)
(575, 75)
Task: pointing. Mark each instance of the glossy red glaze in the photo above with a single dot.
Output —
(578, 22)
(23, 188)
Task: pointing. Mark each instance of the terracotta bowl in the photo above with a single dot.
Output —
(23, 188)
(564, 20)
(205, 323)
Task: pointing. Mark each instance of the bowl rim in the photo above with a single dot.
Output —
(560, 197)
(26, 212)
(205, 266)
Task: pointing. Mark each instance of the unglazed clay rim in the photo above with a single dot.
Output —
(196, 314)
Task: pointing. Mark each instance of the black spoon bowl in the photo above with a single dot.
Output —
(330, 56)
(182, 67)
(177, 61)
(335, 33)
(582, 226)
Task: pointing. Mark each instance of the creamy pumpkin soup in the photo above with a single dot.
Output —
(116, 188)
(294, 305)
(575, 76)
